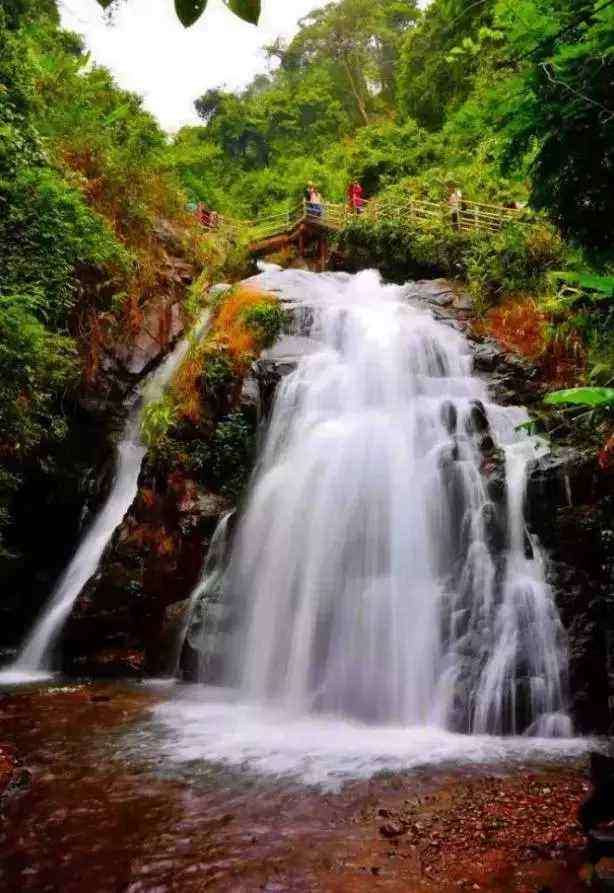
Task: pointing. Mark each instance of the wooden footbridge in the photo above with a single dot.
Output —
(305, 224)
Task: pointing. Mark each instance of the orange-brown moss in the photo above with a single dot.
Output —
(523, 327)
(229, 325)
(230, 340)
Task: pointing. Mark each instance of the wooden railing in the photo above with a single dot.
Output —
(469, 216)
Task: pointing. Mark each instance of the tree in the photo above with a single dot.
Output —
(359, 38)
(18, 11)
(208, 105)
(562, 111)
(431, 83)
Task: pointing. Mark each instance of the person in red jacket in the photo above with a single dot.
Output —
(355, 199)
(203, 215)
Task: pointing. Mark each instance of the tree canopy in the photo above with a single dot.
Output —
(513, 97)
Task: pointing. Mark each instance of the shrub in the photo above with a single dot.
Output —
(36, 367)
(516, 259)
(267, 320)
(232, 454)
(158, 419)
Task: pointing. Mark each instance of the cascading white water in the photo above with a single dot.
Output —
(33, 660)
(374, 573)
(204, 614)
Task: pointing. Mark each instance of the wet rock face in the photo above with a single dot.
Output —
(61, 491)
(162, 324)
(64, 486)
(570, 506)
(124, 619)
(511, 378)
(448, 299)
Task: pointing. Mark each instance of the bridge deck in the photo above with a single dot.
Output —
(307, 226)
(271, 233)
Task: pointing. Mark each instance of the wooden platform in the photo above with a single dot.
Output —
(306, 230)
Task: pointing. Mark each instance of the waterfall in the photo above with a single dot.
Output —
(35, 654)
(204, 616)
(381, 570)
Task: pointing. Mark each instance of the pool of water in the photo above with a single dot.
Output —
(163, 787)
(196, 723)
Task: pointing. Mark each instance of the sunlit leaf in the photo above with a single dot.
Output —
(249, 10)
(189, 11)
(581, 397)
(602, 284)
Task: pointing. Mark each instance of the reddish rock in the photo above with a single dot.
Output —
(162, 324)
(8, 766)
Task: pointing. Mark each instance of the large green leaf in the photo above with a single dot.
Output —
(249, 10)
(602, 284)
(189, 11)
(581, 397)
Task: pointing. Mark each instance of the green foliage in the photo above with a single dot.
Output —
(36, 365)
(433, 79)
(225, 254)
(188, 11)
(249, 10)
(560, 110)
(582, 397)
(83, 182)
(232, 454)
(516, 259)
(195, 299)
(260, 148)
(63, 234)
(157, 421)
(217, 371)
(596, 288)
(267, 320)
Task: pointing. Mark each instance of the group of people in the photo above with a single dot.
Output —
(315, 205)
(357, 203)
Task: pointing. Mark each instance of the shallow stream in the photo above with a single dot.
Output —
(119, 789)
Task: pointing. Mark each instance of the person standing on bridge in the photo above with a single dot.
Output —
(314, 203)
(456, 204)
(355, 199)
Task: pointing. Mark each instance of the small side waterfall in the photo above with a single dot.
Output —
(204, 617)
(382, 570)
(34, 657)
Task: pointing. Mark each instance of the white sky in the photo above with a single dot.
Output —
(150, 52)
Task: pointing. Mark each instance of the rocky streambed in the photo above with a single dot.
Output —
(95, 806)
